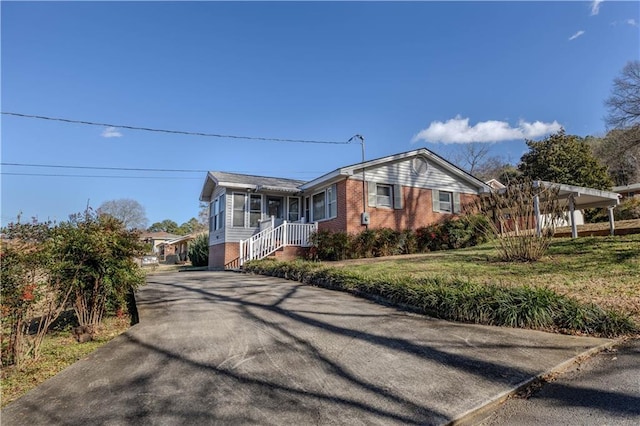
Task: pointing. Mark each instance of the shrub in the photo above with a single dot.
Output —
(364, 244)
(330, 245)
(513, 219)
(387, 242)
(628, 209)
(199, 250)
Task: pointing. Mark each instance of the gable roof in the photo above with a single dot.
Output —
(421, 152)
(251, 182)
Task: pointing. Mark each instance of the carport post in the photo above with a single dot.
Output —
(612, 226)
(572, 214)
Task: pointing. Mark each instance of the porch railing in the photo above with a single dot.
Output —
(270, 240)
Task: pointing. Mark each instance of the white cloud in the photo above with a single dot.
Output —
(595, 7)
(111, 132)
(457, 130)
(632, 22)
(576, 35)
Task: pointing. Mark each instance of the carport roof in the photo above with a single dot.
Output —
(585, 198)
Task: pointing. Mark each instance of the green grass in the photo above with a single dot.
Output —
(589, 285)
(59, 350)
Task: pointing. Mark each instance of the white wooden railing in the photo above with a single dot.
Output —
(268, 241)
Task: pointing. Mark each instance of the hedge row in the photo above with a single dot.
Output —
(458, 300)
(452, 233)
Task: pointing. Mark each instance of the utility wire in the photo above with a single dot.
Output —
(177, 132)
(139, 169)
(96, 176)
(60, 166)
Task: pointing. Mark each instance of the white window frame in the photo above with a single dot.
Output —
(217, 213)
(384, 200)
(449, 202)
(247, 212)
(450, 206)
(330, 207)
(235, 210)
(298, 213)
(251, 211)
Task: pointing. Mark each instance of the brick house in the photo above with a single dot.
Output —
(253, 216)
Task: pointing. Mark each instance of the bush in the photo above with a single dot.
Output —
(628, 209)
(513, 219)
(199, 250)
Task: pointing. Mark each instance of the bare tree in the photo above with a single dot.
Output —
(623, 105)
(471, 155)
(130, 212)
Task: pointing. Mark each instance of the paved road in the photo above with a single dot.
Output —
(605, 390)
(226, 348)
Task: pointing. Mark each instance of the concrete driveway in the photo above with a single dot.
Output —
(227, 348)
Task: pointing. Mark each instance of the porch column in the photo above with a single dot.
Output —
(285, 237)
(612, 226)
(572, 216)
(536, 209)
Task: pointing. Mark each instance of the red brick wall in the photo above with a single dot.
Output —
(221, 254)
(417, 210)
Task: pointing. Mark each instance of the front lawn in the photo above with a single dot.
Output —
(585, 286)
(602, 270)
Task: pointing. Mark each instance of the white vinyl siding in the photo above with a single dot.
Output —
(401, 173)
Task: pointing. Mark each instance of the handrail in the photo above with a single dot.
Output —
(270, 240)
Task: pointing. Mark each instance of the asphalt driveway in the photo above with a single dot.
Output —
(228, 348)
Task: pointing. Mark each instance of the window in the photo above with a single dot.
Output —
(325, 204)
(294, 209)
(319, 206)
(217, 221)
(247, 207)
(384, 196)
(445, 202)
(239, 201)
(255, 210)
(332, 202)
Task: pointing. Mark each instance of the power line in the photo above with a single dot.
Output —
(140, 169)
(177, 132)
(137, 169)
(96, 176)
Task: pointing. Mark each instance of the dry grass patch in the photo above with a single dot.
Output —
(59, 350)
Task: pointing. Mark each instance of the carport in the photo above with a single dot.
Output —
(578, 198)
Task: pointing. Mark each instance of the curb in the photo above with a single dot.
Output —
(482, 412)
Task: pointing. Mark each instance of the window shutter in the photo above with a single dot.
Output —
(456, 202)
(435, 197)
(397, 197)
(373, 195)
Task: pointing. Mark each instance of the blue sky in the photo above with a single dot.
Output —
(403, 75)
